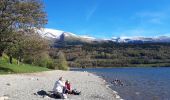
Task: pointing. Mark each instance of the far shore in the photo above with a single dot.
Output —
(137, 66)
(25, 86)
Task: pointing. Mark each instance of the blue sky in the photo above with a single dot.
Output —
(110, 18)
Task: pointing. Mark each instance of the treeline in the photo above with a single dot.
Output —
(117, 55)
(19, 39)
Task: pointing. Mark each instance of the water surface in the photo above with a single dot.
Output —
(138, 83)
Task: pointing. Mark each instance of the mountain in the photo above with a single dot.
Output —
(71, 38)
(160, 39)
(50, 33)
(63, 36)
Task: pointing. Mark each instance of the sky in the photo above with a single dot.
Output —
(110, 18)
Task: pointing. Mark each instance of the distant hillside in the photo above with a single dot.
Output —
(116, 55)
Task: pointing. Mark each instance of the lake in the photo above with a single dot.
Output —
(137, 83)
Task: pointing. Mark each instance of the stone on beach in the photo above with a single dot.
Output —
(4, 98)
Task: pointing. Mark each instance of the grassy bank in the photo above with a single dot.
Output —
(6, 68)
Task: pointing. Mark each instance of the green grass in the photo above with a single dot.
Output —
(6, 68)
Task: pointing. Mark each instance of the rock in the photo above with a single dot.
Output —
(31, 78)
(137, 93)
(46, 97)
(117, 82)
(4, 98)
(115, 92)
(8, 84)
(117, 96)
(35, 94)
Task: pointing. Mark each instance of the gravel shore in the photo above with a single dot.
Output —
(26, 86)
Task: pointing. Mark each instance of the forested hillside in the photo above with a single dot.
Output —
(116, 54)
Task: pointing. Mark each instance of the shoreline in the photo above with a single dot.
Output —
(25, 86)
(117, 96)
(115, 93)
(121, 67)
(108, 87)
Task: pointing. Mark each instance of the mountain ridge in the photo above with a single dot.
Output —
(68, 36)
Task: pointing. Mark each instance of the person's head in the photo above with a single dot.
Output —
(67, 81)
(61, 78)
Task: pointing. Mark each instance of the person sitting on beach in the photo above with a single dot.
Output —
(68, 89)
(59, 89)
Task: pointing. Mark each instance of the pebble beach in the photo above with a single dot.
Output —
(26, 86)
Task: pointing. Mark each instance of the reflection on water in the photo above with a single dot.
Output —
(138, 83)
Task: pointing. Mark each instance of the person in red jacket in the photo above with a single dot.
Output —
(68, 87)
(69, 90)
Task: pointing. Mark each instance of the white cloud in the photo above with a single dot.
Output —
(165, 34)
(93, 9)
(151, 17)
(91, 12)
(138, 32)
(133, 32)
(155, 21)
(151, 14)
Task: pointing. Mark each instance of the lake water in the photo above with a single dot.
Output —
(138, 83)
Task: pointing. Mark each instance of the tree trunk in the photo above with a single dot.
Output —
(19, 60)
(1, 50)
(10, 59)
(1, 53)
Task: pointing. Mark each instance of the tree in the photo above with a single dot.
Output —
(43, 60)
(14, 49)
(62, 63)
(18, 15)
(32, 47)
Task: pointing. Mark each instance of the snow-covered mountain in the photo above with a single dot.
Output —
(62, 35)
(53, 34)
(50, 33)
(159, 39)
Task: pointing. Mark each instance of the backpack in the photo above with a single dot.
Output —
(75, 92)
